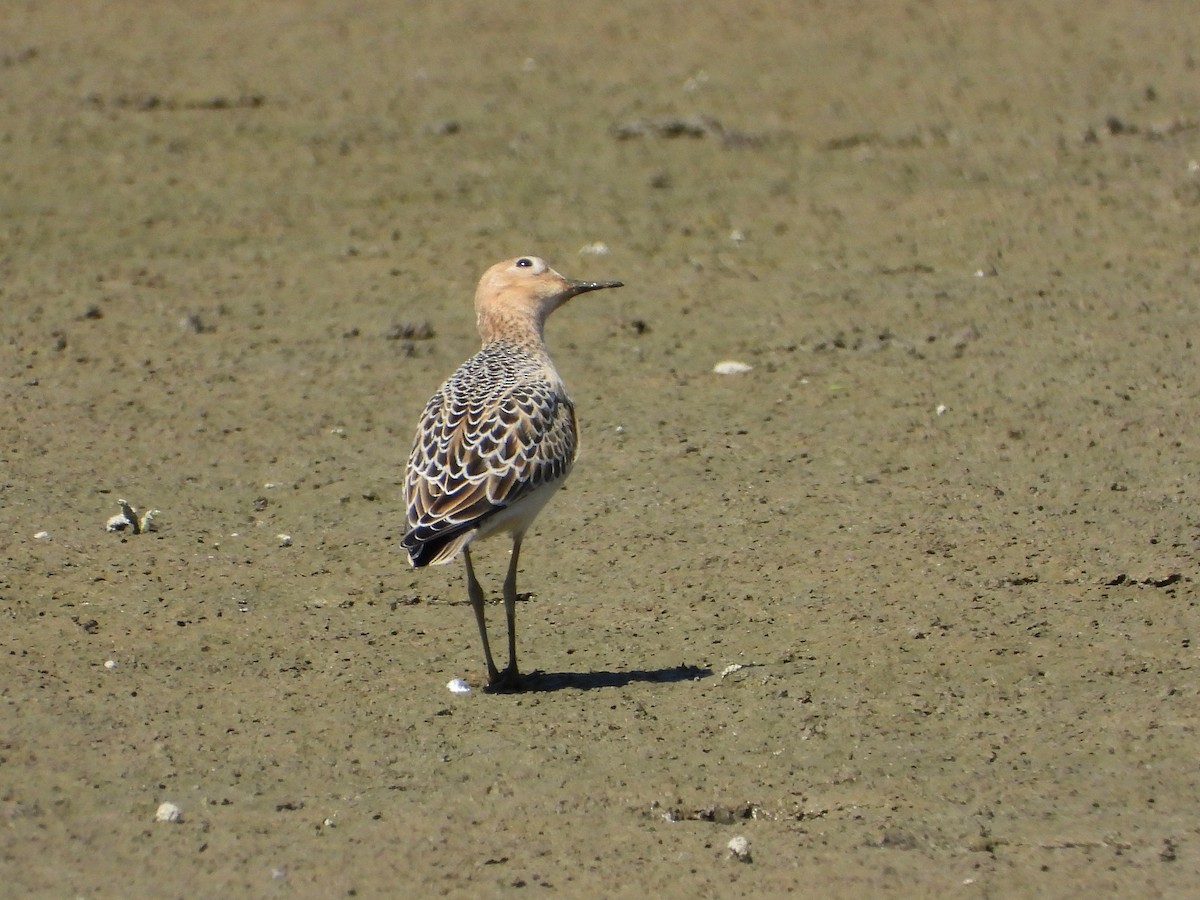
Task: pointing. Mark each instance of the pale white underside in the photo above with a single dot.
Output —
(514, 520)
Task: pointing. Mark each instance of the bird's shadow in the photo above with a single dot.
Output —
(539, 682)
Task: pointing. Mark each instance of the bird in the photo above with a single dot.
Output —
(496, 440)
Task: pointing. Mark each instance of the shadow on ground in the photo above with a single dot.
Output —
(539, 682)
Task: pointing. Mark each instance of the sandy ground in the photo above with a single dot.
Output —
(946, 526)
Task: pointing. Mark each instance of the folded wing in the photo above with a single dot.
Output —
(479, 451)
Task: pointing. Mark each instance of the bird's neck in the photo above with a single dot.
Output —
(522, 327)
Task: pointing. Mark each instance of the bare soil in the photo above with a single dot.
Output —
(911, 605)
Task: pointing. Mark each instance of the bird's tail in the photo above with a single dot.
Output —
(436, 549)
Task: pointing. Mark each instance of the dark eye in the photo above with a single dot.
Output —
(525, 262)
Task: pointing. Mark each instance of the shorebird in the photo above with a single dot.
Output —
(497, 439)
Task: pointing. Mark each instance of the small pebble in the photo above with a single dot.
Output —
(192, 324)
(110, 664)
(41, 535)
(168, 812)
(731, 367)
(458, 686)
(739, 847)
(285, 540)
(444, 127)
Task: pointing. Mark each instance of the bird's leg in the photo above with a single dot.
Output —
(511, 675)
(475, 594)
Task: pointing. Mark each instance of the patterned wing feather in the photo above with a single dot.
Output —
(497, 430)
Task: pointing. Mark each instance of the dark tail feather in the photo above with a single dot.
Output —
(424, 544)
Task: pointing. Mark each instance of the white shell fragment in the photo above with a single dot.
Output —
(739, 848)
(732, 367)
(41, 535)
(128, 518)
(119, 522)
(458, 686)
(110, 664)
(285, 540)
(730, 669)
(168, 812)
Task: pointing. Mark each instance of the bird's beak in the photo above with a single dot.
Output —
(575, 288)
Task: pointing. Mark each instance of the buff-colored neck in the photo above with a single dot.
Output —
(512, 316)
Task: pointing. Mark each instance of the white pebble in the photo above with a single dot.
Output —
(285, 540)
(740, 848)
(730, 669)
(41, 535)
(940, 409)
(731, 367)
(110, 664)
(168, 812)
(458, 686)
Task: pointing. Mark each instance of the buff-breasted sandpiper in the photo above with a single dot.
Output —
(497, 439)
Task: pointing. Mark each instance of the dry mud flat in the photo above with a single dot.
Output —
(908, 608)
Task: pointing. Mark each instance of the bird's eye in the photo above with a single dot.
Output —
(524, 262)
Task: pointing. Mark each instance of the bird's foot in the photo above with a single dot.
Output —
(508, 681)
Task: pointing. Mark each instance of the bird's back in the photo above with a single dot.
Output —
(500, 428)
